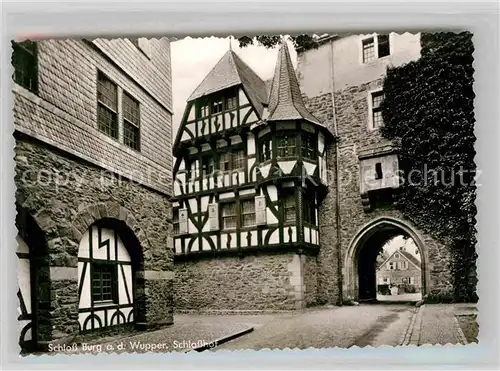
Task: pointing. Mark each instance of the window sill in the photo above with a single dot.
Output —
(103, 303)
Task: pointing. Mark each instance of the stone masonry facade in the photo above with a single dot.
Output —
(69, 175)
(349, 106)
(251, 283)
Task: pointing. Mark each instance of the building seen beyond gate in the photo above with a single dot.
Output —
(284, 192)
(92, 124)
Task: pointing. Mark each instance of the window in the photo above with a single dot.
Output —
(376, 47)
(231, 103)
(225, 161)
(25, 61)
(383, 46)
(391, 266)
(131, 121)
(107, 106)
(208, 165)
(396, 256)
(229, 161)
(377, 98)
(309, 210)
(286, 145)
(203, 110)
(308, 146)
(175, 222)
(192, 168)
(229, 215)
(378, 171)
(104, 282)
(404, 265)
(238, 160)
(247, 212)
(289, 207)
(265, 150)
(217, 106)
(368, 50)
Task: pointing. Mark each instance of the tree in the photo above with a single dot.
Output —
(428, 109)
(304, 42)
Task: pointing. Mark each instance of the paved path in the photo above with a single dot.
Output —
(438, 324)
(369, 324)
(325, 327)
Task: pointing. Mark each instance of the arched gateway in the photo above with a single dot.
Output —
(359, 282)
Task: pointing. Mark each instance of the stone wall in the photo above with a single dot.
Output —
(351, 108)
(65, 195)
(253, 282)
(310, 269)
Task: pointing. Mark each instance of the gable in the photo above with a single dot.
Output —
(392, 259)
(195, 125)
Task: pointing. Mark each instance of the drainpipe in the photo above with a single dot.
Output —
(337, 175)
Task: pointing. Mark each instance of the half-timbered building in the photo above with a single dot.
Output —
(283, 196)
(250, 169)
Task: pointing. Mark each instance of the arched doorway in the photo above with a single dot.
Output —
(33, 280)
(25, 296)
(109, 256)
(360, 265)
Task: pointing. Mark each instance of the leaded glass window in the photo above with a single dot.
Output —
(308, 146)
(286, 145)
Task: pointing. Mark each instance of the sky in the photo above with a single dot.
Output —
(193, 58)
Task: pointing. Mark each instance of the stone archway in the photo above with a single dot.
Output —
(378, 230)
(115, 229)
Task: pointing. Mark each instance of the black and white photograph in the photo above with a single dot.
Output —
(227, 193)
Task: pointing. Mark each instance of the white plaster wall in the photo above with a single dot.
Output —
(315, 66)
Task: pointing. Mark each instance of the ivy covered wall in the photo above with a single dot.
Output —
(429, 110)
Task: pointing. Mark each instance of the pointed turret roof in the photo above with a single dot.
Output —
(231, 71)
(285, 98)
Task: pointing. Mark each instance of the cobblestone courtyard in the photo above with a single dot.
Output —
(325, 327)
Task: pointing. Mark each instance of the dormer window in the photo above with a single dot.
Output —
(217, 103)
(217, 106)
(203, 110)
(232, 103)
